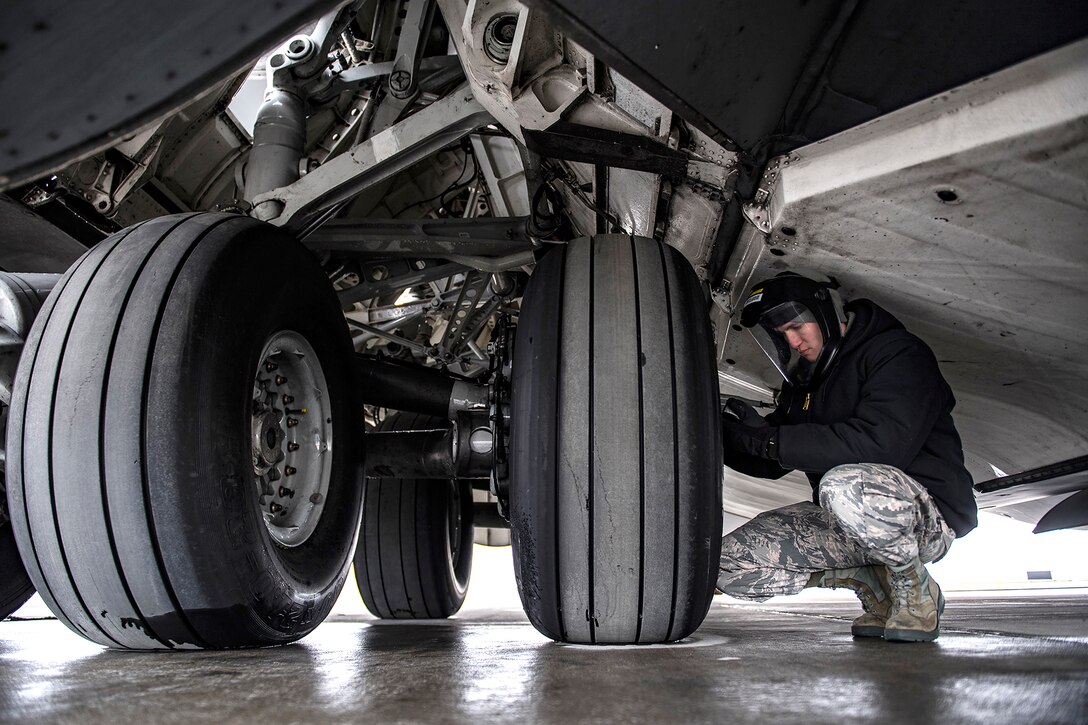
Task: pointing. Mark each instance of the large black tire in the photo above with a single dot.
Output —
(615, 492)
(415, 548)
(15, 585)
(23, 296)
(132, 482)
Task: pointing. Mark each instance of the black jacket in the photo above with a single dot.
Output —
(883, 401)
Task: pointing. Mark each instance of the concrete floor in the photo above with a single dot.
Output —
(1008, 659)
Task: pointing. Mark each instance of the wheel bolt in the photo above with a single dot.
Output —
(275, 508)
(280, 380)
(292, 422)
(290, 471)
(288, 399)
(270, 366)
(292, 446)
(285, 492)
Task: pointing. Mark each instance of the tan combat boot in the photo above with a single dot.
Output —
(870, 583)
(917, 604)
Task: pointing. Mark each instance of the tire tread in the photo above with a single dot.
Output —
(637, 574)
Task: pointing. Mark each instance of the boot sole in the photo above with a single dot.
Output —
(876, 632)
(917, 635)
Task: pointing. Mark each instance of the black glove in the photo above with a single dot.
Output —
(751, 434)
(745, 413)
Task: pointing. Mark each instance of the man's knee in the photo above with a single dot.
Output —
(771, 538)
(842, 489)
(739, 552)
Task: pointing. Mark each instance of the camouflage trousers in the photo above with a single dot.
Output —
(868, 514)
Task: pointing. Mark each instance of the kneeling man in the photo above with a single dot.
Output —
(866, 414)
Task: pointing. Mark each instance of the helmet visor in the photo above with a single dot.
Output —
(789, 363)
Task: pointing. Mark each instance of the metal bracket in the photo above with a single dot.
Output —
(109, 189)
(587, 144)
(404, 81)
(758, 216)
(387, 238)
(720, 295)
(712, 180)
(758, 211)
(469, 315)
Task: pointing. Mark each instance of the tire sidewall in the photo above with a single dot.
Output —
(229, 299)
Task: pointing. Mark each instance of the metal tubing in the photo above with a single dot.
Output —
(279, 137)
(412, 389)
(417, 389)
(500, 264)
(430, 454)
(410, 454)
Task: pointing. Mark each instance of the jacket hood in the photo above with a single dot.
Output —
(870, 320)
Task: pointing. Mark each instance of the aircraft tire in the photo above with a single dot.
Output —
(414, 556)
(15, 585)
(136, 428)
(615, 481)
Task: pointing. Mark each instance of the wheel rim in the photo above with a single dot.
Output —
(291, 438)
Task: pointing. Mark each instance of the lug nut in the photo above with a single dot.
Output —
(292, 446)
(290, 471)
(280, 380)
(270, 366)
(288, 399)
(292, 422)
(275, 508)
(285, 492)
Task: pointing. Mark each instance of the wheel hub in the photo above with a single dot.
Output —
(291, 438)
(268, 436)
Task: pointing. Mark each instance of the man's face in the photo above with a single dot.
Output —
(804, 337)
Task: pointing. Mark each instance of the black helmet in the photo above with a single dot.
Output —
(790, 297)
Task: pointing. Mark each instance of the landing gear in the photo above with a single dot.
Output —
(185, 463)
(184, 457)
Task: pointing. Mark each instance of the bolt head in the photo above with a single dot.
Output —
(400, 80)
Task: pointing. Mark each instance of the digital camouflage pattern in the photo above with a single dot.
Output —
(868, 514)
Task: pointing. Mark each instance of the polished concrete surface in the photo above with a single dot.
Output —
(1000, 659)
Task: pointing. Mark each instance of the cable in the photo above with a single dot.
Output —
(568, 178)
(457, 184)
